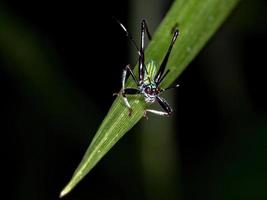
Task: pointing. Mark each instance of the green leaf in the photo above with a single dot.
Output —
(197, 21)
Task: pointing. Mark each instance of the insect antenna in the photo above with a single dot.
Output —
(144, 29)
(171, 87)
(129, 35)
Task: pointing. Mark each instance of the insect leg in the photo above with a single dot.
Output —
(164, 104)
(125, 91)
(146, 28)
(132, 74)
(166, 107)
(124, 74)
(141, 63)
(156, 112)
(129, 91)
(163, 76)
(165, 60)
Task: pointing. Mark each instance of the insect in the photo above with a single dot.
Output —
(149, 79)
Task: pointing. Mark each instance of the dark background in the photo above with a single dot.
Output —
(60, 64)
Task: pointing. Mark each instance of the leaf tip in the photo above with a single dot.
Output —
(65, 191)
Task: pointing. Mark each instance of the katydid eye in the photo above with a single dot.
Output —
(148, 90)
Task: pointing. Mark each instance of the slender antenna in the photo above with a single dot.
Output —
(130, 37)
(144, 29)
(171, 87)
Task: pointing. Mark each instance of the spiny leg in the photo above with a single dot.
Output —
(165, 60)
(166, 107)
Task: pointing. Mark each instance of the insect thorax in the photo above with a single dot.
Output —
(149, 87)
(150, 72)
